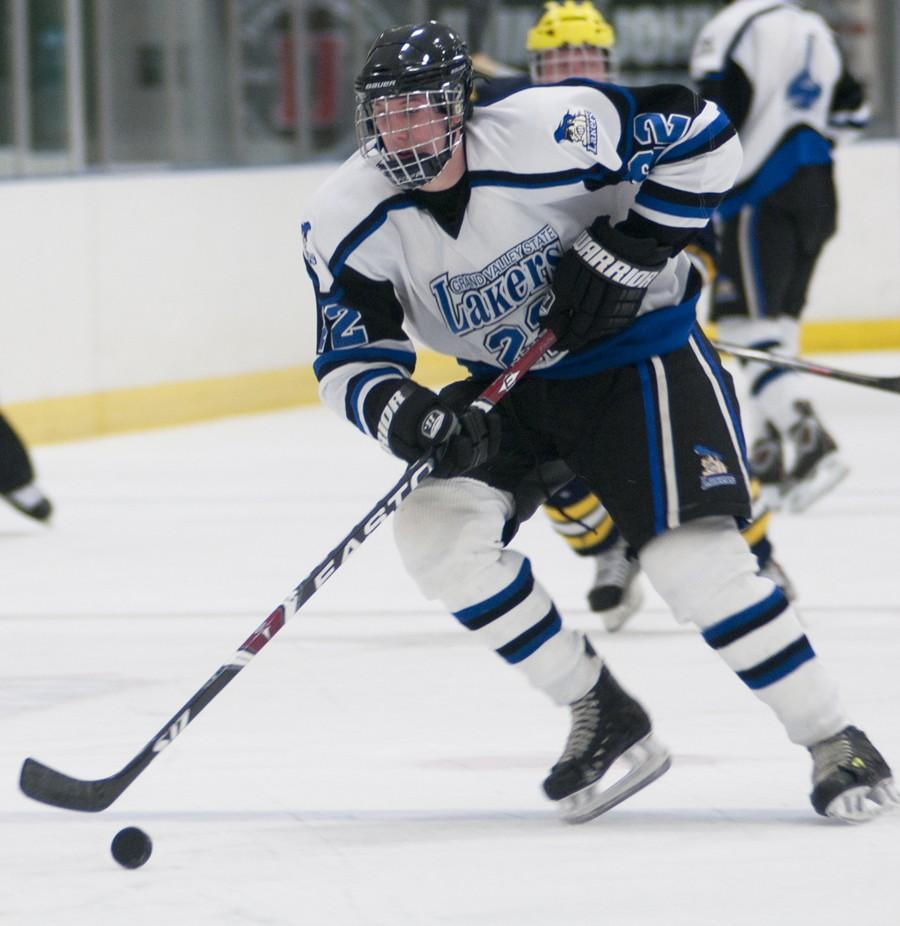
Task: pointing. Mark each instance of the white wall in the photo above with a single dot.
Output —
(109, 282)
(138, 280)
(858, 274)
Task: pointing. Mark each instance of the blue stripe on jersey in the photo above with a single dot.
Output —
(538, 181)
(367, 227)
(654, 459)
(719, 131)
(800, 149)
(739, 625)
(778, 666)
(354, 411)
(713, 360)
(473, 617)
(679, 209)
(658, 332)
(535, 637)
(331, 359)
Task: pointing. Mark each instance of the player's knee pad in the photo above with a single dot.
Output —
(704, 570)
(448, 532)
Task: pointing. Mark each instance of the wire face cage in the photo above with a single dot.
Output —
(588, 61)
(411, 135)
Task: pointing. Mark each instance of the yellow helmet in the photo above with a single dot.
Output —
(572, 23)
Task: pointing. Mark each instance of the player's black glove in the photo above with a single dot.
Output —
(415, 420)
(599, 284)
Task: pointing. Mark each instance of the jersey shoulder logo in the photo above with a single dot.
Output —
(580, 128)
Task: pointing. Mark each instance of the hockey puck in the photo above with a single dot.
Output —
(131, 847)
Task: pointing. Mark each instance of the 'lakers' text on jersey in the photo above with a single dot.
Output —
(389, 266)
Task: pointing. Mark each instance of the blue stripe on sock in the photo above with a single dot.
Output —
(768, 377)
(477, 615)
(525, 644)
(738, 625)
(778, 666)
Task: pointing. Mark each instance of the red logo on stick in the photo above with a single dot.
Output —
(266, 630)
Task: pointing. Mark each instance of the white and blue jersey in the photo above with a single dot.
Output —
(542, 164)
(777, 71)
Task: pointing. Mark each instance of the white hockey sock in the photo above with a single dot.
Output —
(707, 575)
(448, 533)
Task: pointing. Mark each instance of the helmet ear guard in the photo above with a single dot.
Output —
(413, 70)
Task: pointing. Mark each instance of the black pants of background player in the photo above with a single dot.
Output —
(769, 250)
(660, 441)
(15, 465)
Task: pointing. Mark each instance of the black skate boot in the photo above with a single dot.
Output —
(817, 466)
(607, 724)
(616, 592)
(851, 780)
(30, 500)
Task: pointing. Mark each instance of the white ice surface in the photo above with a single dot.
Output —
(373, 765)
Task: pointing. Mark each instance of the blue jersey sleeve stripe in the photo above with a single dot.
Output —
(355, 411)
(679, 209)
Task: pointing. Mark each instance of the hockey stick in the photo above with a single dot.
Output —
(885, 383)
(45, 784)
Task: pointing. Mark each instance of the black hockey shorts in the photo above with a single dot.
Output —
(768, 250)
(659, 441)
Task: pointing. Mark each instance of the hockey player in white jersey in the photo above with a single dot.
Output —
(777, 72)
(455, 227)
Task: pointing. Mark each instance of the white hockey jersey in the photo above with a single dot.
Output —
(792, 62)
(543, 164)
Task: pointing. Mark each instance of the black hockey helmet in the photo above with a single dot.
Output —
(427, 65)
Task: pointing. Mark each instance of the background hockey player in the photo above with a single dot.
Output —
(777, 72)
(17, 485)
(572, 38)
(460, 246)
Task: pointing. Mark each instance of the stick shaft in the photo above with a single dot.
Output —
(47, 785)
(884, 383)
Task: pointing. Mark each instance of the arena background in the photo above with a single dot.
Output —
(156, 155)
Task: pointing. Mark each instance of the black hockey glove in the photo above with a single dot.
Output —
(415, 420)
(599, 284)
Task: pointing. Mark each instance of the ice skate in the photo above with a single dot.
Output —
(851, 780)
(767, 466)
(817, 466)
(607, 725)
(616, 592)
(30, 501)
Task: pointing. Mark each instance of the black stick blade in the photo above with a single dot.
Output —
(44, 784)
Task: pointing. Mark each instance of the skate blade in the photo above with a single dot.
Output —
(615, 618)
(828, 472)
(648, 759)
(859, 805)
